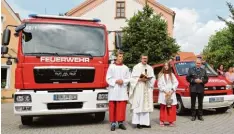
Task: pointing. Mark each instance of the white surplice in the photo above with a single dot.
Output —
(117, 92)
(141, 94)
(167, 85)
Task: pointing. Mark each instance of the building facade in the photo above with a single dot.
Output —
(113, 13)
(8, 17)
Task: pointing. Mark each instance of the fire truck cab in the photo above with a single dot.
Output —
(61, 66)
(218, 92)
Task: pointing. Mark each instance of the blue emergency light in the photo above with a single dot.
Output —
(64, 17)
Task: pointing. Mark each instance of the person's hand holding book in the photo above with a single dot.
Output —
(143, 78)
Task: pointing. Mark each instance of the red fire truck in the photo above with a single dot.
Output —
(218, 92)
(61, 66)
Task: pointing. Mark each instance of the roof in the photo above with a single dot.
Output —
(17, 14)
(164, 8)
(82, 5)
(168, 10)
(11, 11)
(187, 56)
(93, 3)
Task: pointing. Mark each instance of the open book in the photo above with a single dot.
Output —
(145, 76)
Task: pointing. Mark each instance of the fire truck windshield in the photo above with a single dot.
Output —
(63, 40)
(183, 67)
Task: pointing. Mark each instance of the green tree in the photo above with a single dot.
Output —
(147, 33)
(230, 23)
(220, 48)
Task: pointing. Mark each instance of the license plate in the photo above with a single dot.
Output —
(61, 97)
(216, 99)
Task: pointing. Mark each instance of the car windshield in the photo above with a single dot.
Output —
(63, 39)
(183, 67)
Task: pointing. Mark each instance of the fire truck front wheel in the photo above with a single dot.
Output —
(99, 117)
(26, 120)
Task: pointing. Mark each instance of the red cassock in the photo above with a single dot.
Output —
(167, 114)
(117, 110)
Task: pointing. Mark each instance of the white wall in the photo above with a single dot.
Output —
(107, 13)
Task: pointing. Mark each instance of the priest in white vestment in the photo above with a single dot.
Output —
(141, 93)
(118, 77)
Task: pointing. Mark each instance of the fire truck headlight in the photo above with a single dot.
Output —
(102, 96)
(23, 98)
(228, 87)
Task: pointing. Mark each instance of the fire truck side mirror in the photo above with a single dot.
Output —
(4, 50)
(6, 37)
(118, 42)
(20, 28)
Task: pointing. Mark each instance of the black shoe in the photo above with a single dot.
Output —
(112, 127)
(200, 118)
(193, 118)
(144, 126)
(121, 126)
(139, 126)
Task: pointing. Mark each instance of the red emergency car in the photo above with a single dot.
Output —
(218, 93)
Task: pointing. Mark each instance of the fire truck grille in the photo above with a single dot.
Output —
(67, 105)
(64, 75)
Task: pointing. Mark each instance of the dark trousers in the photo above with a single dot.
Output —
(200, 97)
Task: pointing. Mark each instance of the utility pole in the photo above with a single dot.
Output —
(45, 11)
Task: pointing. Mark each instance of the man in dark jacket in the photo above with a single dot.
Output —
(197, 78)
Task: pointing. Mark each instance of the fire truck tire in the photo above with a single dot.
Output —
(222, 110)
(26, 120)
(180, 106)
(99, 117)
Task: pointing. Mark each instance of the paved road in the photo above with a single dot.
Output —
(82, 124)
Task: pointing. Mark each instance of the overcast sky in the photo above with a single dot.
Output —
(195, 20)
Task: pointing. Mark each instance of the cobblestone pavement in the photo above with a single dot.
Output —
(82, 124)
